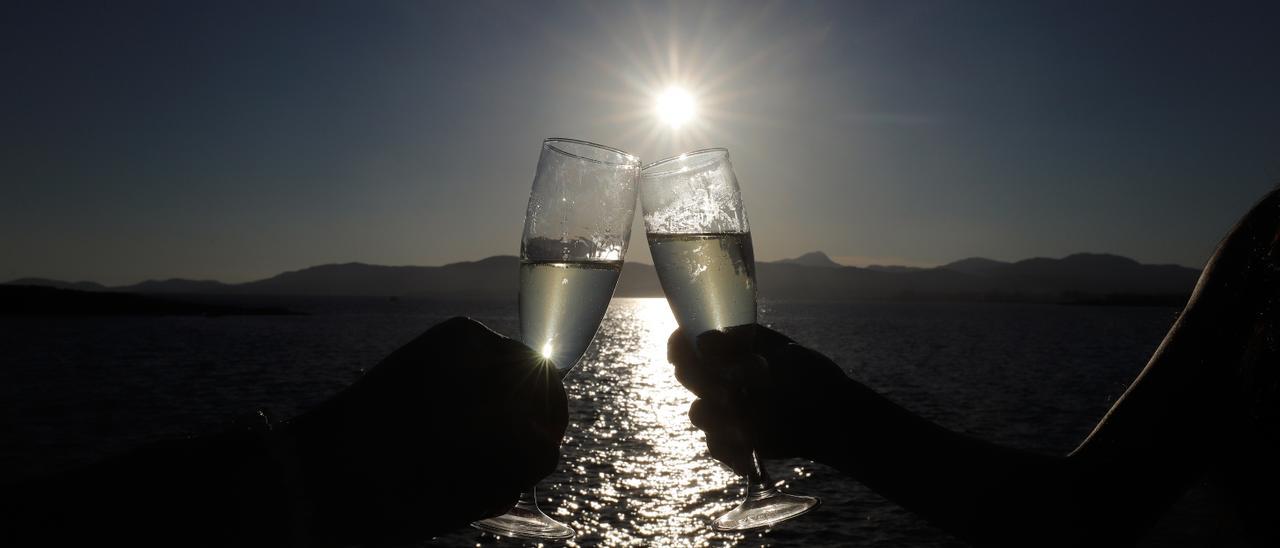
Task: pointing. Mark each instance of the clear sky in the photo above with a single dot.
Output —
(232, 141)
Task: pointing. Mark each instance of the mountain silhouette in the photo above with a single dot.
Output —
(1085, 273)
(492, 277)
(1082, 277)
(974, 265)
(813, 258)
(893, 268)
(38, 300)
(176, 286)
(44, 282)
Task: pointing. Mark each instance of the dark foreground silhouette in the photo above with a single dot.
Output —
(1207, 403)
(446, 430)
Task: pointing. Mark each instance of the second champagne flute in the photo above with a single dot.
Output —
(575, 237)
(701, 246)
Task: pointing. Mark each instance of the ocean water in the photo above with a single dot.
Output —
(633, 470)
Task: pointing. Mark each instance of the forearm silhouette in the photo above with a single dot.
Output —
(1207, 400)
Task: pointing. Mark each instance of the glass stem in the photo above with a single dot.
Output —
(759, 484)
(528, 499)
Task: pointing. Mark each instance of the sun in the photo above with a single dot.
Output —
(675, 106)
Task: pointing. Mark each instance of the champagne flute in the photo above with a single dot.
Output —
(701, 246)
(575, 237)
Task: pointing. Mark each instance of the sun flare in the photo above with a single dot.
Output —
(675, 106)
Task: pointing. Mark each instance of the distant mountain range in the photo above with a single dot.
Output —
(33, 300)
(1083, 278)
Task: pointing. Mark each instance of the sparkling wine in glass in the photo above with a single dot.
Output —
(575, 237)
(701, 245)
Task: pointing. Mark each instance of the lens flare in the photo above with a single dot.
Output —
(675, 106)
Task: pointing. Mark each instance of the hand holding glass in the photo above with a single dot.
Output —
(575, 238)
(701, 246)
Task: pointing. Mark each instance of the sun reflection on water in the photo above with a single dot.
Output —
(633, 470)
(637, 471)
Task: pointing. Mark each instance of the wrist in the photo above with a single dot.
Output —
(835, 416)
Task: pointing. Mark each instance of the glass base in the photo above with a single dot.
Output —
(764, 508)
(526, 521)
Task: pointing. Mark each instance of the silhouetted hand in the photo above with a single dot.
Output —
(446, 430)
(758, 389)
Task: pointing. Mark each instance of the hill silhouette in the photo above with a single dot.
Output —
(813, 258)
(44, 282)
(37, 300)
(974, 265)
(1082, 277)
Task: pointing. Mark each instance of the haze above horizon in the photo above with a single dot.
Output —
(234, 141)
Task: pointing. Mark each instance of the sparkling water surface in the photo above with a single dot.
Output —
(633, 471)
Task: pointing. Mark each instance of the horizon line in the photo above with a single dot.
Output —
(917, 266)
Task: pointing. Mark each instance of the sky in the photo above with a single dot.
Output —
(233, 141)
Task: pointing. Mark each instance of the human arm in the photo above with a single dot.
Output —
(758, 389)
(1202, 394)
(445, 430)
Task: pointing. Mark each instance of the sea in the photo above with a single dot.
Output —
(633, 471)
